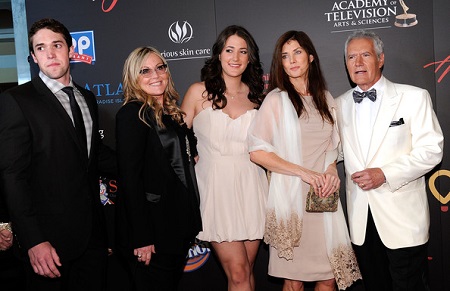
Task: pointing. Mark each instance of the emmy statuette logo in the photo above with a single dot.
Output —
(405, 19)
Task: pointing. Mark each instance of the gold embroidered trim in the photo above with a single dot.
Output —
(344, 265)
(283, 235)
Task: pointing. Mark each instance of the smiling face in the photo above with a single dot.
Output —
(295, 60)
(154, 84)
(234, 56)
(363, 64)
(52, 55)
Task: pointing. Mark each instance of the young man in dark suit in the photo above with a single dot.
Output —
(51, 153)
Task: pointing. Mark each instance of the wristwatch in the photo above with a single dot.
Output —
(5, 225)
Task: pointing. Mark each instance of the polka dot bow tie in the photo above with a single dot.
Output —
(359, 96)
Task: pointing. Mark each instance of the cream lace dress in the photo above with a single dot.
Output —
(303, 246)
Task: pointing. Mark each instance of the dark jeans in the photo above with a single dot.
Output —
(404, 269)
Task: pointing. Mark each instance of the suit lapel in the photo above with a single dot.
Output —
(388, 107)
(56, 107)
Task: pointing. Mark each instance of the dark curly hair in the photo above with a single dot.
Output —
(211, 72)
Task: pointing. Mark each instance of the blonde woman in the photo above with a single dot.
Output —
(158, 210)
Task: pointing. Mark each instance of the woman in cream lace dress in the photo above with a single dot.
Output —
(294, 135)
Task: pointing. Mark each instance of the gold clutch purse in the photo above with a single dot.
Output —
(314, 203)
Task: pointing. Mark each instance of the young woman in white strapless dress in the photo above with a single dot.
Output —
(233, 190)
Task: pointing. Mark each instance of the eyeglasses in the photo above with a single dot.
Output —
(160, 70)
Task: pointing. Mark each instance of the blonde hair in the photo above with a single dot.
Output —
(133, 92)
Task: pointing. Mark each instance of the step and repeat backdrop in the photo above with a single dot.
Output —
(417, 52)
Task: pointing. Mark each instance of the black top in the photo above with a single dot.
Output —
(158, 202)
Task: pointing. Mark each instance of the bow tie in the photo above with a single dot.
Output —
(359, 96)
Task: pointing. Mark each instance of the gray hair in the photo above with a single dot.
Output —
(377, 42)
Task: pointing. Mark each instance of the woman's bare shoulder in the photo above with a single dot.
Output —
(196, 89)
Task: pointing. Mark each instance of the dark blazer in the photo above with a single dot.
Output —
(159, 202)
(51, 188)
(4, 217)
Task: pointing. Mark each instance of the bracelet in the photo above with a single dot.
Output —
(5, 225)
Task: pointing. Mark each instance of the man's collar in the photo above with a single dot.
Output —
(52, 84)
(379, 85)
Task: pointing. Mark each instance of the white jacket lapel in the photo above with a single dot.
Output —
(388, 107)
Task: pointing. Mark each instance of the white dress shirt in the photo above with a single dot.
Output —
(366, 113)
(56, 88)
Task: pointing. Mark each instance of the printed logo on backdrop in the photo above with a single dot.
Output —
(443, 198)
(197, 256)
(405, 19)
(111, 93)
(440, 68)
(347, 15)
(107, 5)
(84, 47)
(108, 190)
(180, 33)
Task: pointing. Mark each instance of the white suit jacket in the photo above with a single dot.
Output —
(407, 142)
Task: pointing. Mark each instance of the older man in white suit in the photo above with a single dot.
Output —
(390, 139)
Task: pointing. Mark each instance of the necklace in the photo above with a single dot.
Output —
(227, 95)
(239, 90)
(232, 96)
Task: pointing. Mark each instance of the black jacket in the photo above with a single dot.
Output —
(158, 202)
(51, 188)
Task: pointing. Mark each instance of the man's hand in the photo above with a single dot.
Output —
(144, 254)
(6, 239)
(369, 179)
(44, 259)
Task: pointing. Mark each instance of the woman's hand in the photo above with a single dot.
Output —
(332, 182)
(6, 239)
(318, 181)
(315, 179)
(144, 254)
